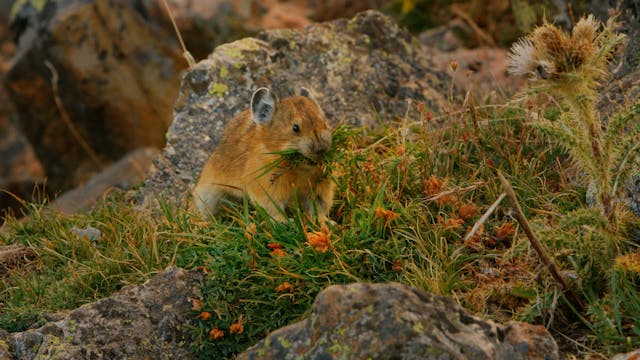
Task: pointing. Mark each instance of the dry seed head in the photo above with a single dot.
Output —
(550, 43)
(586, 29)
(522, 59)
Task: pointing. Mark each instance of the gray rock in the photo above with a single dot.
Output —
(145, 321)
(633, 355)
(357, 69)
(118, 77)
(394, 321)
(5, 350)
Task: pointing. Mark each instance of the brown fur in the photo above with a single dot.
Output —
(237, 165)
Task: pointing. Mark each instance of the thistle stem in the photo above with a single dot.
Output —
(583, 109)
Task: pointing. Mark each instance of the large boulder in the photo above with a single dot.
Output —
(361, 70)
(394, 321)
(117, 78)
(145, 321)
(205, 24)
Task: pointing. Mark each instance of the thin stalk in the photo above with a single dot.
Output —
(537, 246)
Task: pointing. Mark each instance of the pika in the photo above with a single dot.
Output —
(239, 163)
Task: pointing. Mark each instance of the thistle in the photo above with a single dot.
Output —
(570, 67)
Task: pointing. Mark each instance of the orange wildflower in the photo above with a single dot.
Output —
(196, 304)
(284, 287)
(215, 334)
(278, 252)
(205, 315)
(432, 185)
(320, 240)
(250, 231)
(274, 246)
(506, 231)
(453, 65)
(397, 266)
(467, 211)
(428, 116)
(451, 224)
(401, 149)
(236, 328)
(386, 215)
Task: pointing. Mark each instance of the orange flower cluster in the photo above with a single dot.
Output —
(215, 334)
(467, 211)
(432, 185)
(276, 250)
(398, 266)
(250, 231)
(196, 304)
(237, 328)
(452, 224)
(506, 231)
(320, 240)
(386, 215)
(435, 187)
(205, 315)
(284, 287)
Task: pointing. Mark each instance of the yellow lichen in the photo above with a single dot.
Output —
(218, 89)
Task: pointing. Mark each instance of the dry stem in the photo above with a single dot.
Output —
(544, 257)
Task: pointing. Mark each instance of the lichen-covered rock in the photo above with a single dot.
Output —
(360, 70)
(205, 24)
(118, 77)
(147, 321)
(5, 350)
(394, 321)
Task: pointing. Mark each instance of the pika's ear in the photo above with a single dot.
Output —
(309, 95)
(305, 92)
(263, 105)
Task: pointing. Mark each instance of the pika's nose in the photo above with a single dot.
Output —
(323, 144)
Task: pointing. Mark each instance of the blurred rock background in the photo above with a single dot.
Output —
(86, 83)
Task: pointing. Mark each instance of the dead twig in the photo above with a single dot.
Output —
(546, 259)
(185, 53)
(484, 217)
(66, 119)
(481, 35)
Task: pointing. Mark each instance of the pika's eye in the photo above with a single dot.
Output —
(296, 128)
